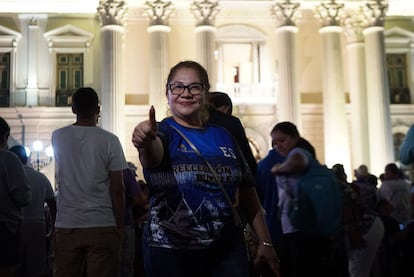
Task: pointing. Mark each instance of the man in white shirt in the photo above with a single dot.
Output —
(90, 193)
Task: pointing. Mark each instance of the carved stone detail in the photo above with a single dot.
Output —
(205, 11)
(33, 21)
(284, 12)
(354, 23)
(158, 12)
(112, 12)
(330, 14)
(375, 12)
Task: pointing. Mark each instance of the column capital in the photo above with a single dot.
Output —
(354, 23)
(375, 12)
(205, 11)
(158, 12)
(330, 14)
(284, 12)
(112, 12)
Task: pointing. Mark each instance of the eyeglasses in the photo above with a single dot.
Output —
(178, 88)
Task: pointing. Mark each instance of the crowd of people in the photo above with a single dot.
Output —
(201, 190)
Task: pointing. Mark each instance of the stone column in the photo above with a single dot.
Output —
(112, 15)
(335, 122)
(32, 89)
(158, 13)
(205, 12)
(381, 142)
(288, 98)
(357, 90)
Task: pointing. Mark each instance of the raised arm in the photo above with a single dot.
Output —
(147, 142)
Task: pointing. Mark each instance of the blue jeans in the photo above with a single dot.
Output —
(226, 257)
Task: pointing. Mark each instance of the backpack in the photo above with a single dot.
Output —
(317, 207)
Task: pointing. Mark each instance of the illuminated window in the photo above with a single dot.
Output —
(69, 77)
(397, 78)
(4, 79)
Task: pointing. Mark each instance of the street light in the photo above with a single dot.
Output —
(39, 163)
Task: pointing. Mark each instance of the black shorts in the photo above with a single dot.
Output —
(10, 242)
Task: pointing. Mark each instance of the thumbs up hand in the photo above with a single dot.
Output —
(146, 131)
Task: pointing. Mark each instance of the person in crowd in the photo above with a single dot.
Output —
(191, 229)
(267, 190)
(140, 214)
(406, 153)
(222, 102)
(362, 175)
(390, 261)
(232, 124)
(90, 193)
(133, 197)
(305, 252)
(396, 190)
(339, 251)
(33, 247)
(15, 193)
(365, 237)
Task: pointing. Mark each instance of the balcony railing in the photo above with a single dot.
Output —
(241, 93)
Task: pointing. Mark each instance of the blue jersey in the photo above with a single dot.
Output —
(187, 206)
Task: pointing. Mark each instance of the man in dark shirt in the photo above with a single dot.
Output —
(236, 129)
(15, 193)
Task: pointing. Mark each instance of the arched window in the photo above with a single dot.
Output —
(243, 64)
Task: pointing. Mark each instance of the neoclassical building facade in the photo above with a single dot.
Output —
(343, 71)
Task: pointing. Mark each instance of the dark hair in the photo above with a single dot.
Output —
(85, 102)
(339, 171)
(20, 152)
(290, 129)
(287, 128)
(219, 99)
(4, 128)
(201, 72)
(393, 168)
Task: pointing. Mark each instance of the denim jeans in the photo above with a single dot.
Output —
(226, 257)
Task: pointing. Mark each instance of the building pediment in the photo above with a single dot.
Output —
(398, 37)
(68, 36)
(8, 37)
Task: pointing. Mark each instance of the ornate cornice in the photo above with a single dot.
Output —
(158, 12)
(205, 11)
(284, 12)
(112, 12)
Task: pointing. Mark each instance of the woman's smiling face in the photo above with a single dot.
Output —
(186, 97)
(283, 143)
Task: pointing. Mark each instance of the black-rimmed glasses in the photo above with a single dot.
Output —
(178, 88)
